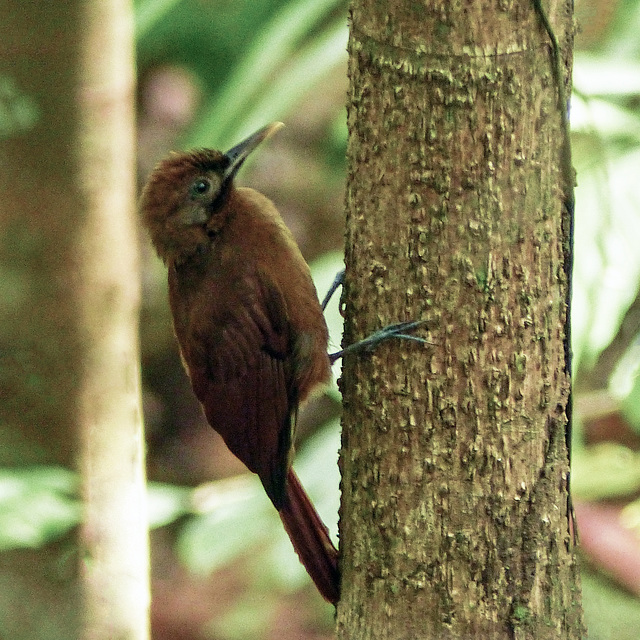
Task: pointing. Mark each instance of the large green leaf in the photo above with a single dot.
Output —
(37, 505)
(40, 504)
(149, 12)
(272, 74)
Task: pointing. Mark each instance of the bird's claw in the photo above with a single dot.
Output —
(396, 330)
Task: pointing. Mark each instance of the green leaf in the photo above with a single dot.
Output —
(37, 505)
(149, 12)
(250, 97)
(248, 618)
(606, 75)
(317, 467)
(237, 515)
(40, 504)
(623, 43)
(604, 119)
(304, 72)
(241, 517)
(607, 262)
(626, 382)
(19, 111)
(166, 503)
(609, 611)
(605, 471)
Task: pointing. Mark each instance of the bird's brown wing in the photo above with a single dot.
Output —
(245, 379)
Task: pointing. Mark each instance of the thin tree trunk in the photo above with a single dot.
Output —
(114, 535)
(69, 312)
(454, 518)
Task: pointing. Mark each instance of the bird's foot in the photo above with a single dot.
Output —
(338, 281)
(399, 330)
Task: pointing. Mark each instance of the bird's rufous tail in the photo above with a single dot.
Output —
(310, 539)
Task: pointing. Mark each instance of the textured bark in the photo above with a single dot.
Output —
(454, 519)
(68, 331)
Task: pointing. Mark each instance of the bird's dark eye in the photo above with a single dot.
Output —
(200, 187)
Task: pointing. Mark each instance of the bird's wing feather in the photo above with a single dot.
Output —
(245, 382)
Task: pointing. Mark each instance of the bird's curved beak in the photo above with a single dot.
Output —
(238, 154)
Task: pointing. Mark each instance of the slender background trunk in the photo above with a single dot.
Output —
(115, 554)
(454, 519)
(68, 329)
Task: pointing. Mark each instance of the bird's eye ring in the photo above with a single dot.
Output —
(200, 187)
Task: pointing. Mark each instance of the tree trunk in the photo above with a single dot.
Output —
(69, 313)
(114, 535)
(454, 519)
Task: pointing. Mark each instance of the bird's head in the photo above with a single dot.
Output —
(183, 203)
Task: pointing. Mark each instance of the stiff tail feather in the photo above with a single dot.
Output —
(310, 539)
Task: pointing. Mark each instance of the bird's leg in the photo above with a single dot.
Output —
(337, 282)
(397, 330)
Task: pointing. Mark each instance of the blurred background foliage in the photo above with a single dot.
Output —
(211, 71)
